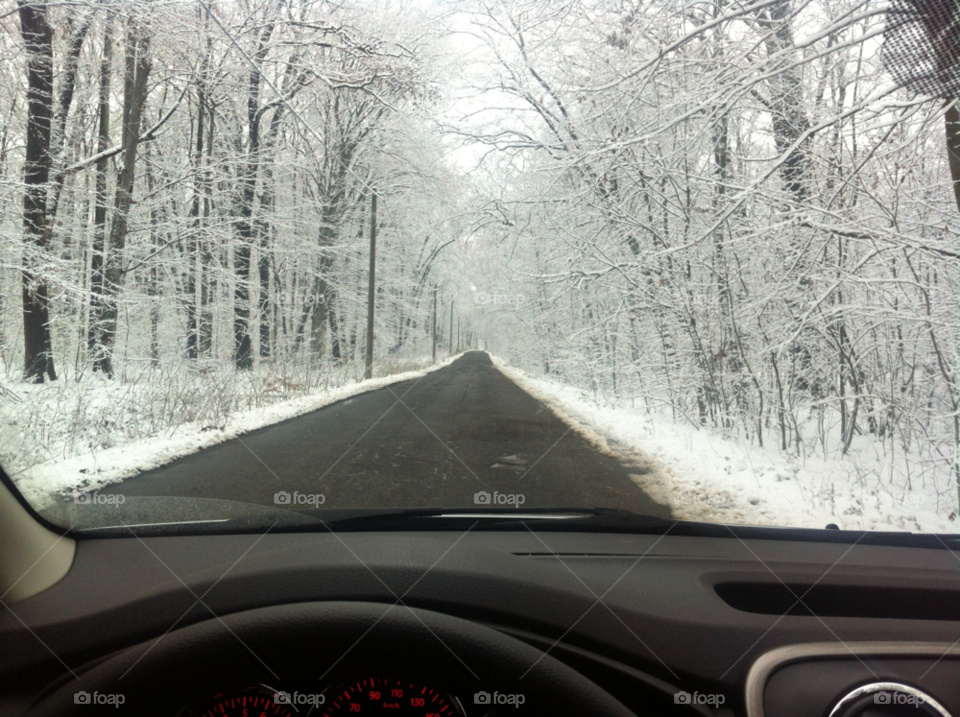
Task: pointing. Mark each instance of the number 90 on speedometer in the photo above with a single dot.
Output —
(378, 695)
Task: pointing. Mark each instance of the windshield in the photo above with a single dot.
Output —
(694, 260)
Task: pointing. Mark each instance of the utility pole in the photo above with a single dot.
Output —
(372, 291)
(459, 343)
(451, 325)
(434, 324)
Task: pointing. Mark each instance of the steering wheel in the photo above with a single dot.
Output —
(160, 676)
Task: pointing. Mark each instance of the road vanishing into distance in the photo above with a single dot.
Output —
(434, 441)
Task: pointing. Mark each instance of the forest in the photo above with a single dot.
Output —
(737, 214)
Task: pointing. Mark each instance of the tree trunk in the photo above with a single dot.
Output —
(153, 288)
(205, 318)
(321, 302)
(193, 242)
(263, 270)
(134, 99)
(790, 125)
(77, 34)
(952, 122)
(95, 338)
(242, 345)
(790, 121)
(264, 226)
(37, 344)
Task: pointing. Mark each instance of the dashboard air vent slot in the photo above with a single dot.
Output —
(885, 602)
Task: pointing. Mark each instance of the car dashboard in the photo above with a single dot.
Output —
(664, 625)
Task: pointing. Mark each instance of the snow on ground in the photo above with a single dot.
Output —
(705, 476)
(43, 483)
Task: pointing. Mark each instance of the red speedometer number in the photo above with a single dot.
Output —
(378, 695)
(248, 706)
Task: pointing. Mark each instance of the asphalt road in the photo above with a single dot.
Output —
(433, 441)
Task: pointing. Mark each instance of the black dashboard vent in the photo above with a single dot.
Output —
(886, 602)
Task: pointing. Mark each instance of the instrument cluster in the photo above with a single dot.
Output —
(364, 695)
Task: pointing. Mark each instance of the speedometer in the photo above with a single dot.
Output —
(248, 706)
(379, 695)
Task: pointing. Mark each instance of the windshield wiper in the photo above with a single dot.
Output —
(485, 518)
(371, 518)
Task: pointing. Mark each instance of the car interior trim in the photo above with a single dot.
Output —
(770, 662)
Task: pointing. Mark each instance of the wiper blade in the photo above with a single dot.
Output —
(346, 517)
(486, 518)
(165, 514)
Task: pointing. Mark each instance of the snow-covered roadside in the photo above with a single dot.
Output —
(704, 476)
(43, 483)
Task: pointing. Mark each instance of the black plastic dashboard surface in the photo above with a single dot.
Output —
(649, 603)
